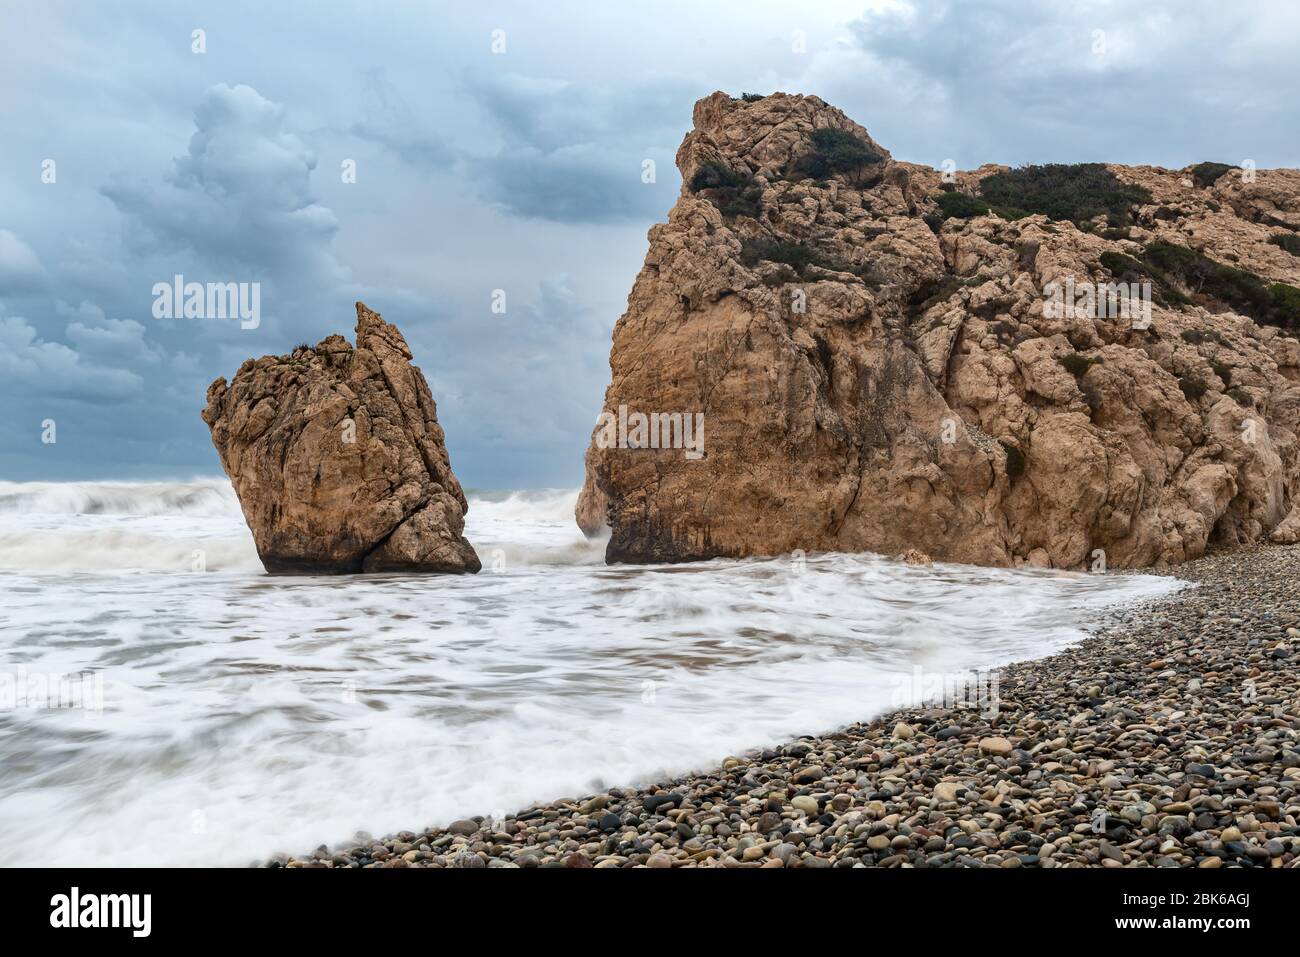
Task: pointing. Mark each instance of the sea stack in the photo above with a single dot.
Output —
(1060, 366)
(338, 460)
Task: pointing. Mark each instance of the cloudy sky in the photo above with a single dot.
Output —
(480, 169)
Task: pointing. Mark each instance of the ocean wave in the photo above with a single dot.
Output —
(112, 550)
(212, 497)
(110, 527)
(541, 505)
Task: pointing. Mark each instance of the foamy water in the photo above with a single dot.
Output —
(245, 714)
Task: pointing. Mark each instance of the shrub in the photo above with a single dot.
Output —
(1286, 306)
(1197, 273)
(1198, 336)
(955, 205)
(1240, 396)
(1075, 192)
(734, 194)
(798, 257)
(1288, 241)
(1076, 364)
(1127, 269)
(1192, 387)
(752, 97)
(1207, 174)
(1167, 213)
(1223, 372)
(1121, 265)
(1181, 273)
(715, 176)
(936, 291)
(795, 255)
(1015, 460)
(740, 201)
(836, 151)
(961, 205)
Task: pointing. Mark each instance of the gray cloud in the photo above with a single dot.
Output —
(240, 196)
(390, 122)
(477, 172)
(1016, 82)
(577, 154)
(20, 269)
(27, 361)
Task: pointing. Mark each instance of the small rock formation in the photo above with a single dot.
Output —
(879, 365)
(338, 459)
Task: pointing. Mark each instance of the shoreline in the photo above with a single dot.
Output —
(1170, 737)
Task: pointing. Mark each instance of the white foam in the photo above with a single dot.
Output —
(246, 714)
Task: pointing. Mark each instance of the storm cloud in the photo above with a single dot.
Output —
(404, 157)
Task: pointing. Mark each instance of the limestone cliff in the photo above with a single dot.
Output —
(338, 459)
(886, 360)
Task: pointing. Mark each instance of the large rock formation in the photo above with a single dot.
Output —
(338, 459)
(881, 365)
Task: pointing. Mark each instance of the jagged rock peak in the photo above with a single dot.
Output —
(338, 460)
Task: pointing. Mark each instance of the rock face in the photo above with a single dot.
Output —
(338, 459)
(873, 376)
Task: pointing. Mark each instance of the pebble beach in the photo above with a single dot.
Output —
(1167, 739)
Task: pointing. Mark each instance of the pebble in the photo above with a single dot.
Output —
(1147, 721)
(946, 790)
(805, 803)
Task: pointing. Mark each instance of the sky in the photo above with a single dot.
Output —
(498, 148)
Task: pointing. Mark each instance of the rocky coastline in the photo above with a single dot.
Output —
(1041, 366)
(1166, 739)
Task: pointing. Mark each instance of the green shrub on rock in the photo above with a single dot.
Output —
(1077, 192)
(795, 255)
(1183, 275)
(836, 151)
(1207, 174)
(955, 205)
(1077, 364)
(715, 176)
(735, 194)
(961, 205)
(1192, 387)
(1197, 273)
(1286, 306)
(1288, 241)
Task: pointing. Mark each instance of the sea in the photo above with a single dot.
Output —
(164, 701)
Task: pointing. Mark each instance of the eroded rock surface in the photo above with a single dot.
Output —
(874, 377)
(338, 460)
